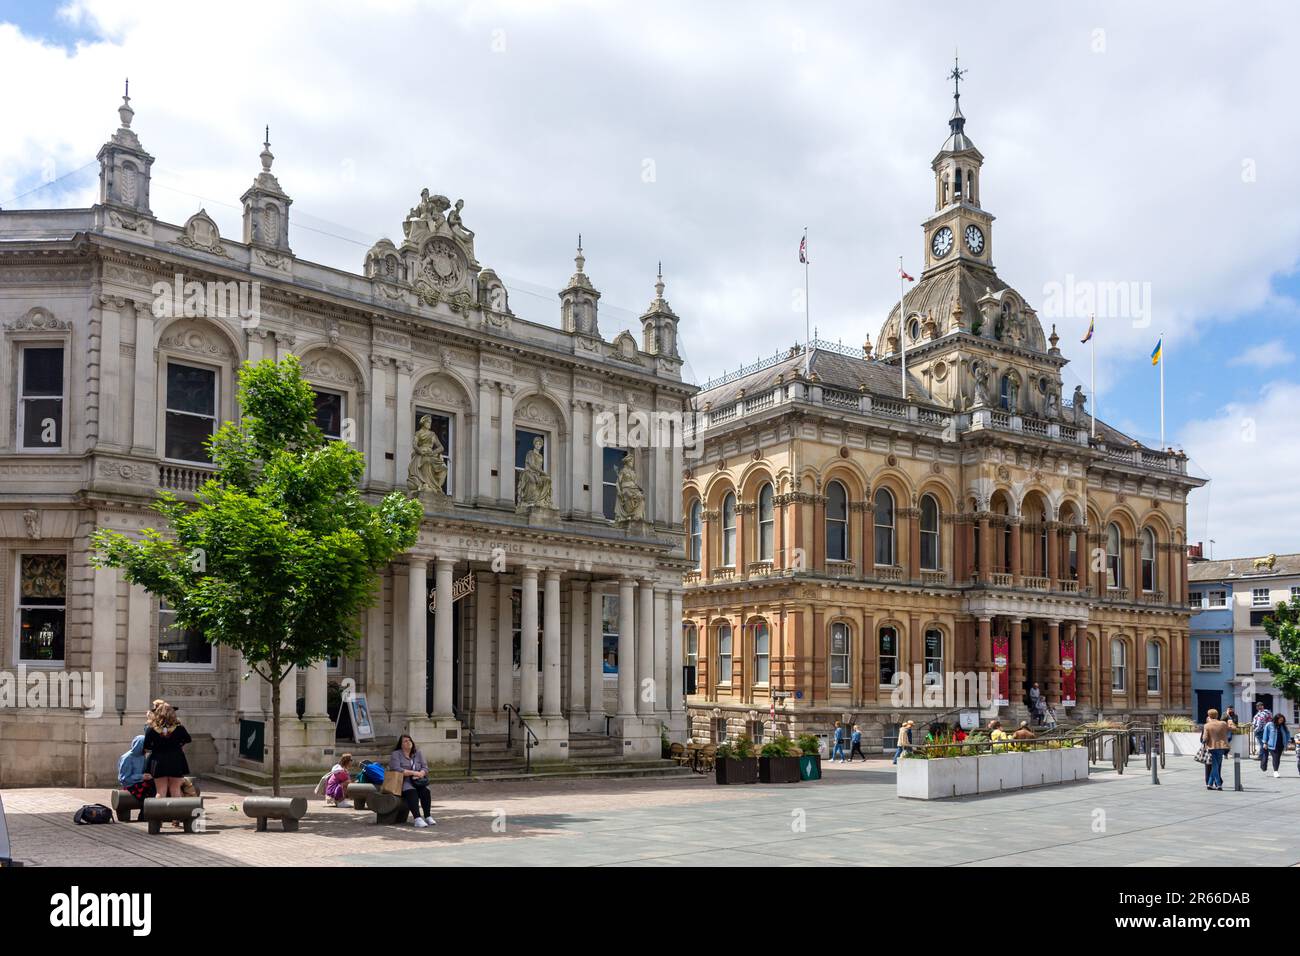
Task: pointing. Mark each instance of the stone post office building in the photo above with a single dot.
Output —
(547, 605)
(843, 532)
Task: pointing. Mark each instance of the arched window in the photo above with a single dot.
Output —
(1072, 554)
(766, 523)
(839, 653)
(1153, 667)
(934, 656)
(697, 533)
(1148, 560)
(1117, 665)
(1042, 542)
(837, 522)
(1114, 557)
(929, 533)
(729, 530)
(957, 186)
(762, 653)
(887, 651)
(884, 517)
(724, 653)
(1004, 393)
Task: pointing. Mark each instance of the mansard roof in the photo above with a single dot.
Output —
(832, 370)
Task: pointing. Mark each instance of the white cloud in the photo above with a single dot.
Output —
(758, 121)
(1252, 506)
(1265, 355)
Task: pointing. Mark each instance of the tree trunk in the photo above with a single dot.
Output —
(275, 730)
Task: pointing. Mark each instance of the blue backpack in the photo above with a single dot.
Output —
(372, 772)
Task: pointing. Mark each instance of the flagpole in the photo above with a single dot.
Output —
(902, 331)
(1092, 383)
(1162, 391)
(806, 322)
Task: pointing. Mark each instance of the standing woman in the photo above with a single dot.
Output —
(1276, 737)
(165, 738)
(1215, 735)
(409, 762)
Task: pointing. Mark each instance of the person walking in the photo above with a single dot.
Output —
(1049, 715)
(1261, 720)
(904, 739)
(1215, 735)
(165, 739)
(856, 741)
(837, 753)
(407, 761)
(1276, 737)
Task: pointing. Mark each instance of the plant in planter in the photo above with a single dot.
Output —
(736, 762)
(779, 761)
(810, 758)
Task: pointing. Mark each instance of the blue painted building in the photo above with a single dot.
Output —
(1211, 633)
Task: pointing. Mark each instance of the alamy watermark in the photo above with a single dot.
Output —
(208, 300)
(1111, 299)
(43, 689)
(625, 427)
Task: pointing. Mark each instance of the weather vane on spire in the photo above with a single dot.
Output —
(956, 76)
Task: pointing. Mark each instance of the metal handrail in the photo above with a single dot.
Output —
(529, 741)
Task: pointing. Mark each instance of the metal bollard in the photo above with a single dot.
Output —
(1155, 774)
(1236, 772)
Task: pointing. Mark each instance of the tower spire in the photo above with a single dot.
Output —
(957, 121)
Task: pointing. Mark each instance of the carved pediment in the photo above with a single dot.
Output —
(37, 319)
(201, 233)
(332, 368)
(197, 339)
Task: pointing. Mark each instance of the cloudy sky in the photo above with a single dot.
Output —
(1152, 146)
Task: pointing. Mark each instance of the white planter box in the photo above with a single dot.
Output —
(1240, 745)
(1040, 768)
(999, 772)
(938, 778)
(1182, 744)
(1074, 764)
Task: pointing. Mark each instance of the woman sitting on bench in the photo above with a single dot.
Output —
(131, 774)
(407, 761)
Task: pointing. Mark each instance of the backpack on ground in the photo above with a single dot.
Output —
(372, 772)
(93, 813)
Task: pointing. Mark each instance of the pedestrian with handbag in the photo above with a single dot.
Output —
(1215, 736)
(408, 763)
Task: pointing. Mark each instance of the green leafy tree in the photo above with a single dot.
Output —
(278, 556)
(1283, 626)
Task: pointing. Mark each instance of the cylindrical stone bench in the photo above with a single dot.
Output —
(157, 810)
(288, 810)
(359, 793)
(388, 808)
(123, 803)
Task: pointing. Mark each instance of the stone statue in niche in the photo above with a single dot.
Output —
(533, 487)
(427, 472)
(630, 503)
(981, 384)
(1080, 405)
(1053, 403)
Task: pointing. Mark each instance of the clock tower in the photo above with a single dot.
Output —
(959, 230)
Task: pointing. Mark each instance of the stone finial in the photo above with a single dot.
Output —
(124, 112)
(579, 260)
(267, 156)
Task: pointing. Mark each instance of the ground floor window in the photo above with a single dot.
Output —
(934, 656)
(609, 632)
(178, 645)
(1117, 667)
(42, 606)
(888, 656)
(1153, 667)
(839, 653)
(762, 653)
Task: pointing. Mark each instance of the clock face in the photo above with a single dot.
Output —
(941, 244)
(974, 239)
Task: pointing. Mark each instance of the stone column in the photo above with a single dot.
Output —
(378, 438)
(138, 651)
(597, 494)
(676, 467)
(528, 702)
(626, 648)
(1017, 571)
(577, 655)
(442, 640)
(663, 654)
(676, 655)
(483, 478)
(985, 549)
(289, 696)
(485, 589)
(1053, 556)
(1016, 658)
(505, 647)
(1054, 662)
(110, 364)
(577, 497)
(373, 685)
(317, 702)
(984, 656)
(1103, 651)
(506, 466)
(401, 645)
(250, 691)
(405, 437)
(417, 630)
(103, 630)
(144, 431)
(645, 665)
(1083, 669)
(595, 661)
(551, 703)
(284, 344)
(913, 543)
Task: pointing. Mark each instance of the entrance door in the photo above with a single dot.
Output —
(1207, 700)
(455, 661)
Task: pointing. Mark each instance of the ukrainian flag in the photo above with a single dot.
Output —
(1155, 353)
(1092, 325)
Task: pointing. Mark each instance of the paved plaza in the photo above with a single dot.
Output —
(851, 818)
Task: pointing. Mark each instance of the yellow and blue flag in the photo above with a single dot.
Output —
(1092, 325)
(1155, 352)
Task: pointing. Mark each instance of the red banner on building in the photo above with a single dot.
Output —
(1001, 646)
(1067, 672)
